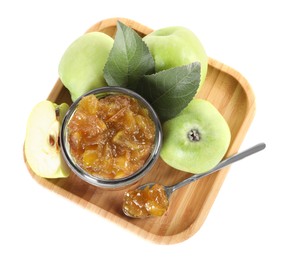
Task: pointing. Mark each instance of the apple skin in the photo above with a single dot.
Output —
(195, 157)
(41, 147)
(176, 46)
(81, 66)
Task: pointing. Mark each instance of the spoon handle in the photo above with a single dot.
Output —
(221, 165)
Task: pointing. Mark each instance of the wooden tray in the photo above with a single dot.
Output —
(233, 97)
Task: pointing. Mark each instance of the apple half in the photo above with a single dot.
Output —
(41, 148)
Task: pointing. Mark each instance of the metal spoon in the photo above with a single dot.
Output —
(170, 189)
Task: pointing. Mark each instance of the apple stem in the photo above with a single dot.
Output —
(57, 112)
(194, 135)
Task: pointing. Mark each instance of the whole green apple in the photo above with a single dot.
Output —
(81, 66)
(197, 139)
(176, 46)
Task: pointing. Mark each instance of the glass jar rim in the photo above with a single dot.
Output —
(94, 179)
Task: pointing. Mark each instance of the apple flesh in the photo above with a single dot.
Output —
(81, 66)
(197, 139)
(176, 46)
(42, 151)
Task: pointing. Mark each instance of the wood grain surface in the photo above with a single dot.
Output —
(231, 94)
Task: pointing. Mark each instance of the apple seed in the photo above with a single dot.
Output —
(51, 140)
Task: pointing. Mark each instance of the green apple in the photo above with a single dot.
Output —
(176, 46)
(197, 139)
(81, 66)
(41, 147)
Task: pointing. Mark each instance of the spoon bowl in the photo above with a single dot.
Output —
(151, 199)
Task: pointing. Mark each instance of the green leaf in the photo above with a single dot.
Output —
(128, 60)
(170, 91)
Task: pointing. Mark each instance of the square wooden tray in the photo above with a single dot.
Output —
(231, 94)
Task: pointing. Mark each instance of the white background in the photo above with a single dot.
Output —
(245, 220)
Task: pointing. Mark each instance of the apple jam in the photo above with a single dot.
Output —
(110, 137)
(152, 201)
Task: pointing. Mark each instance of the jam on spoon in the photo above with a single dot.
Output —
(151, 200)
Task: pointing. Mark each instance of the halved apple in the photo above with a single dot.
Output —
(42, 150)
